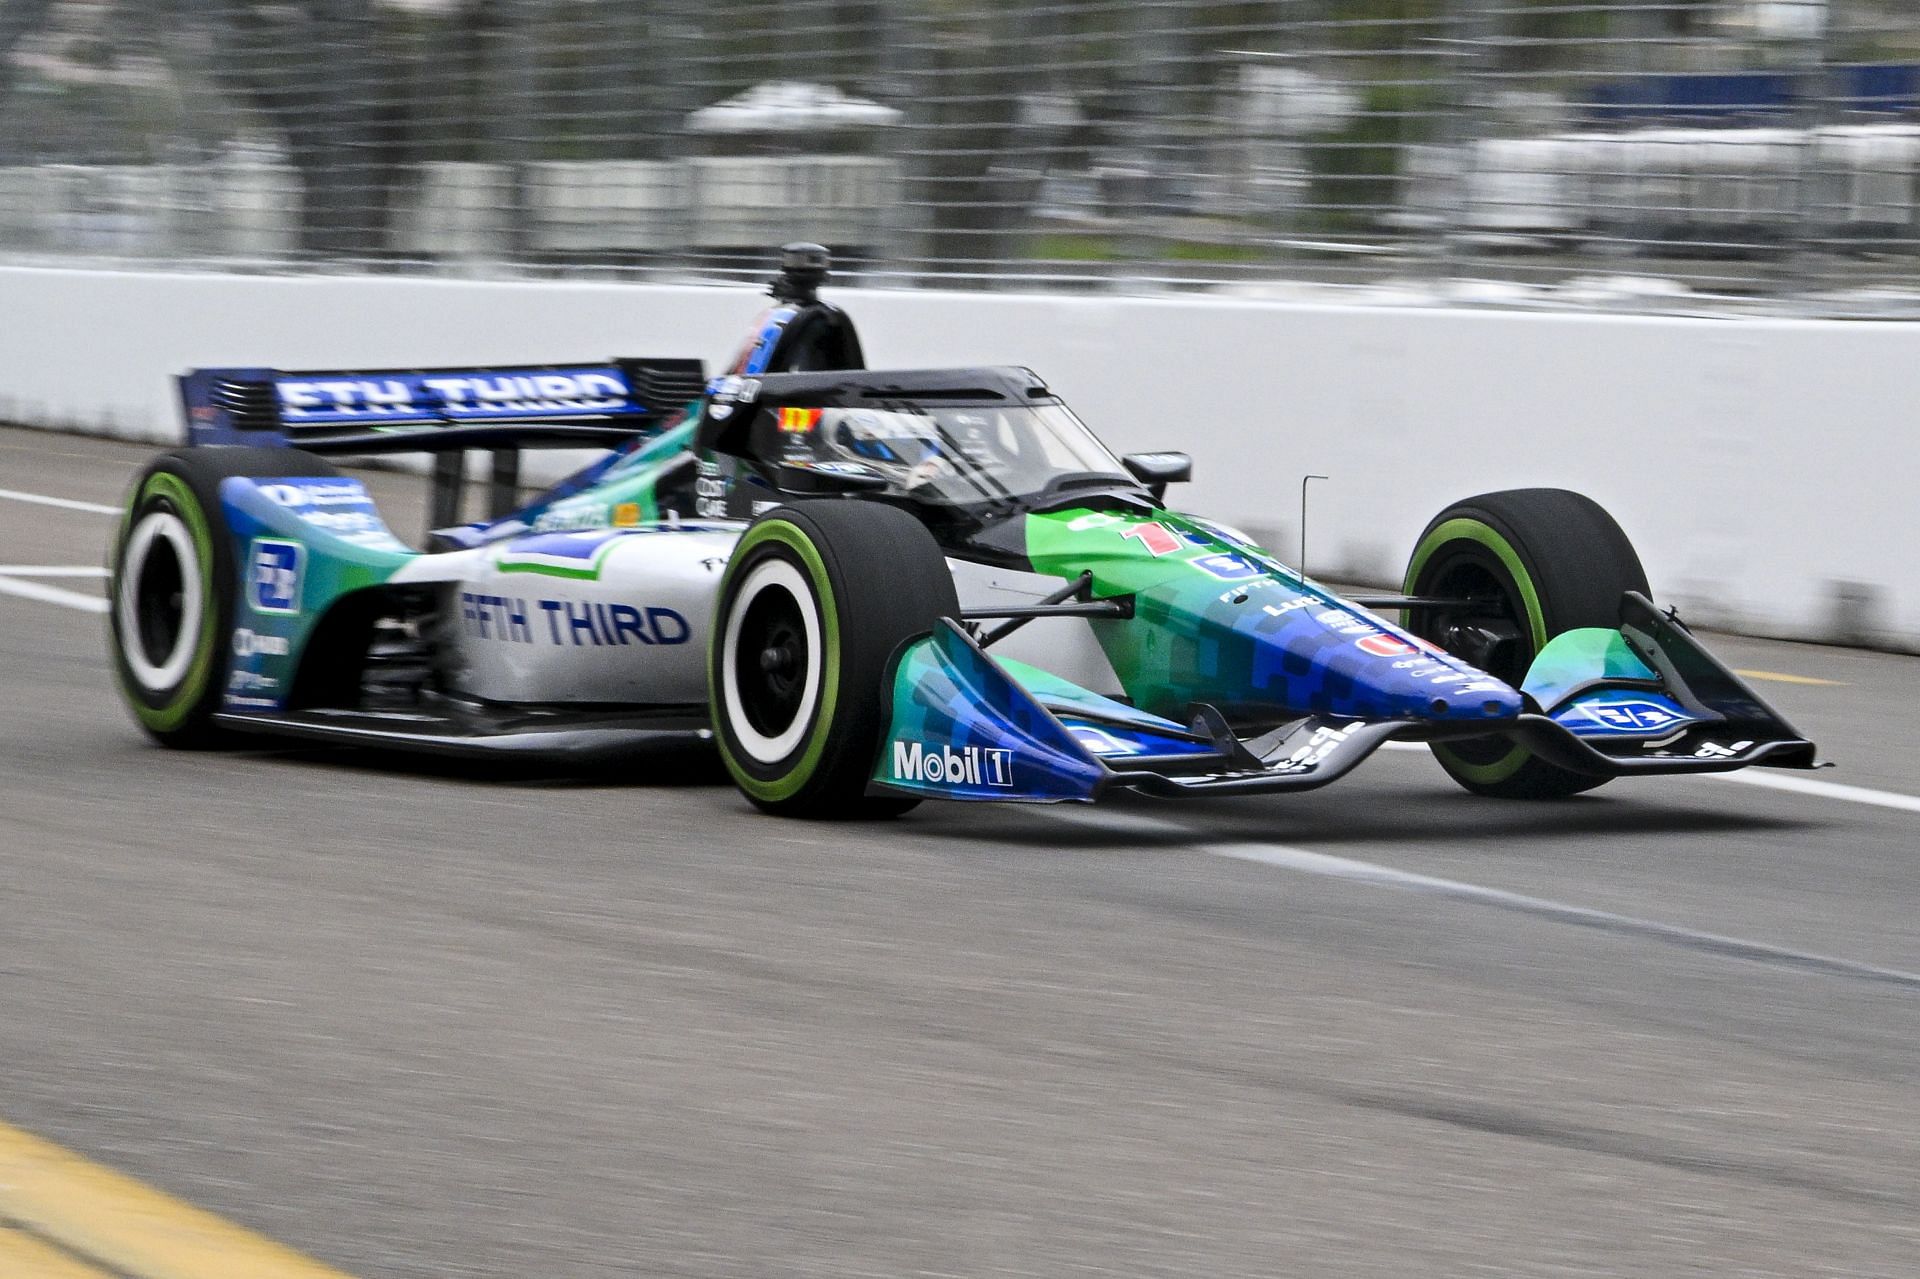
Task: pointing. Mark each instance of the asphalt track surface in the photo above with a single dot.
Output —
(418, 1023)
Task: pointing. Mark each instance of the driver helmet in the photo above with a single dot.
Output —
(904, 446)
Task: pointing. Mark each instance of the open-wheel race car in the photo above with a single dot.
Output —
(866, 588)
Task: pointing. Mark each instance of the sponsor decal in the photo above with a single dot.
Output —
(348, 524)
(1714, 750)
(1314, 752)
(339, 508)
(1464, 678)
(709, 491)
(480, 394)
(1092, 520)
(1158, 539)
(274, 572)
(301, 494)
(248, 643)
(251, 682)
(569, 623)
(840, 468)
(1227, 566)
(626, 515)
(1384, 645)
(968, 766)
(729, 391)
(1345, 623)
(796, 421)
(1291, 606)
(571, 518)
(1630, 715)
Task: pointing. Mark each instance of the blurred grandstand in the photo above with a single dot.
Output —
(1688, 154)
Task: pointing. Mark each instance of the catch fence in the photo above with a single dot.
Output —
(1679, 154)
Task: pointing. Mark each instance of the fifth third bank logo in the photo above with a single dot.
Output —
(274, 574)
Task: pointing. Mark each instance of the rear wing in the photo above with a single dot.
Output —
(436, 410)
(441, 411)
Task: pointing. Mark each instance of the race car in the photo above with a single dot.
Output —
(865, 588)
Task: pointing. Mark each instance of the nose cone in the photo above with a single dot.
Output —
(1329, 658)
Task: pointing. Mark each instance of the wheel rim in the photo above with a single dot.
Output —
(159, 602)
(1492, 634)
(770, 670)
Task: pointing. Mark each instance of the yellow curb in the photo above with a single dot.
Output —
(24, 1257)
(123, 1225)
(1779, 678)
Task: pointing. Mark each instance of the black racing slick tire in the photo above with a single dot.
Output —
(815, 601)
(171, 587)
(1537, 562)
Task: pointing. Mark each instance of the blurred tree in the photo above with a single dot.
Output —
(963, 113)
(312, 74)
(358, 91)
(18, 19)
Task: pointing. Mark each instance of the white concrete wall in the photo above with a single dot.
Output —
(1765, 468)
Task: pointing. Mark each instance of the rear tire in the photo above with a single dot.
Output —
(816, 599)
(171, 587)
(1543, 561)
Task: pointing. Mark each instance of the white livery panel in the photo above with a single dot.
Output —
(597, 616)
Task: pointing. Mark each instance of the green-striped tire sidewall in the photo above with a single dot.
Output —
(805, 761)
(1464, 529)
(168, 711)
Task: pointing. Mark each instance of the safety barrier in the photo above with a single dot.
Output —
(1764, 467)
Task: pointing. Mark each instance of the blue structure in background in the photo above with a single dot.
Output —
(1750, 97)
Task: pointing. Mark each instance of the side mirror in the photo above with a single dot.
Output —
(1157, 470)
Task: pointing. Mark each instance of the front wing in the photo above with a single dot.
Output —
(964, 726)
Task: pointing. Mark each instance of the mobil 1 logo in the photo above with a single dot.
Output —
(967, 766)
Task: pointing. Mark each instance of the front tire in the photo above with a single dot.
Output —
(816, 599)
(1537, 562)
(171, 587)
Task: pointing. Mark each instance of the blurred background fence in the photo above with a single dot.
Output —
(1640, 154)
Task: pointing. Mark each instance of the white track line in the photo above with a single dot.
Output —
(1821, 790)
(1772, 779)
(1321, 864)
(60, 595)
(65, 503)
(1325, 866)
(52, 570)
